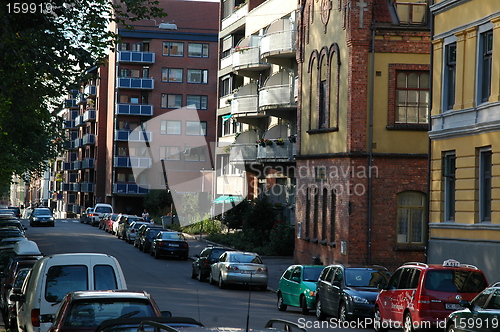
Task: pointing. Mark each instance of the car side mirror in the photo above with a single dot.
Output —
(466, 304)
(166, 313)
(18, 298)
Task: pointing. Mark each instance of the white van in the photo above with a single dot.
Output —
(99, 210)
(52, 277)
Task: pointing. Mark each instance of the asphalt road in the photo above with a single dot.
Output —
(169, 281)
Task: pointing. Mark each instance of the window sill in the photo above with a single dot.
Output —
(412, 127)
(322, 130)
(409, 247)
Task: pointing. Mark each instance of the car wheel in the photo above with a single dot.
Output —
(222, 285)
(201, 277)
(193, 274)
(303, 305)
(451, 328)
(343, 313)
(211, 279)
(408, 324)
(156, 254)
(319, 311)
(281, 305)
(377, 321)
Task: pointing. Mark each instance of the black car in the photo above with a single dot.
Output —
(201, 265)
(172, 244)
(347, 291)
(41, 216)
(146, 237)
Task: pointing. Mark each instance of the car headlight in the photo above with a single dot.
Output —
(51, 218)
(35, 218)
(358, 299)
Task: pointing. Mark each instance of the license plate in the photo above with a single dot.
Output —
(453, 306)
(174, 245)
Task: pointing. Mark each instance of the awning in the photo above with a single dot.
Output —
(228, 199)
(226, 117)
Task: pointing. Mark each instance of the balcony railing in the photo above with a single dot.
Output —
(137, 57)
(133, 136)
(139, 162)
(130, 188)
(226, 62)
(134, 109)
(87, 187)
(71, 103)
(67, 166)
(88, 139)
(248, 58)
(277, 95)
(135, 83)
(282, 42)
(88, 163)
(243, 153)
(89, 115)
(77, 164)
(245, 104)
(77, 143)
(90, 91)
(277, 152)
(79, 121)
(69, 124)
(234, 16)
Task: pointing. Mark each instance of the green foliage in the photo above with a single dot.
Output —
(43, 54)
(259, 220)
(207, 226)
(157, 202)
(282, 239)
(233, 218)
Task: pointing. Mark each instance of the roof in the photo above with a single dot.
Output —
(26, 248)
(107, 294)
(135, 321)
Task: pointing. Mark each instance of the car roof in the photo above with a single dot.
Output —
(171, 321)
(26, 248)
(360, 266)
(107, 294)
(458, 266)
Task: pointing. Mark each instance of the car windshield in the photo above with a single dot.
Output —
(366, 277)
(245, 258)
(42, 212)
(462, 281)
(90, 313)
(311, 273)
(103, 209)
(172, 236)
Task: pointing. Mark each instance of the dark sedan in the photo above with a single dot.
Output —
(348, 291)
(41, 216)
(172, 244)
(201, 265)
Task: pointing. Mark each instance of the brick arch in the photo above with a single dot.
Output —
(313, 59)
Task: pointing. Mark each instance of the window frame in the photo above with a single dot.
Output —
(164, 102)
(168, 45)
(203, 76)
(449, 75)
(164, 127)
(411, 208)
(203, 99)
(202, 128)
(485, 184)
(166, 75)
(407, 104)
(204, 50)
(484, 63)
(449, 186)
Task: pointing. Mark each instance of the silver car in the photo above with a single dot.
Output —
(237, 267)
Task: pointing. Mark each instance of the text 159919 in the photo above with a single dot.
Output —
(29, 8)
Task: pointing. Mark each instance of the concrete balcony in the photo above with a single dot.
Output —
(243, 153)
(234, 17)
(90, 91)
(77, 164)
(88, 163)
(281, 152)
(69, 124)
(88, 139)
(247, 61)
(77, 143)
(134, 109)
(133, 136)
(79, 121)
(89, 115)
(135, 83)
(136, 57)
(226, 62)
(245, 104)
(70, 103)
(130, 189)
(128, 162)
(87, 187)
(280, 44)
(277, 96)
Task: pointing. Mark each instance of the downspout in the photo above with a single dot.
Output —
(370, 146)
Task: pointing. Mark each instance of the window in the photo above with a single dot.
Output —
(104, 277)
(125, 72)
(412, 97)
(170, 152)
(322, 105)
(197, 76)
(308, 214)
(195, 154)
(486, 44)
(198, 50)
(62, 279)
(333, 212)
(170, 127)
(173, 49)
(200, 102)
(171, 75)
(316, 213)
(485, 185)
(226, 86)
(450, 76)
(449, 186)
(411, 217)
(324, 215)
(171, 101)
(196, 128)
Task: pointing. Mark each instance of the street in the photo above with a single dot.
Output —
(169, 282)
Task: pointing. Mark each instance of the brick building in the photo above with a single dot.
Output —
(362, 123)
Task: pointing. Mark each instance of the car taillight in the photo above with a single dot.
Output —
(132, 231)
(35, 317)
(160, 243)
(423, 303)
(232, 268)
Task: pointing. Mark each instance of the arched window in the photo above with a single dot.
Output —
(411, 213)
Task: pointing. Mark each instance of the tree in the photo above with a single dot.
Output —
(157, 202)
(233, 218)
(260, 219)
(45, 48)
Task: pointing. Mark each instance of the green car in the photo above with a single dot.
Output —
(480, 315)
(298, 287)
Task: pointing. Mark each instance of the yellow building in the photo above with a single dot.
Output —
(465, 136)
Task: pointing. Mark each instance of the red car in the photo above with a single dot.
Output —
(419, 295)
(86, 310)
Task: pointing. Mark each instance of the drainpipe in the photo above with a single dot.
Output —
(370, 148)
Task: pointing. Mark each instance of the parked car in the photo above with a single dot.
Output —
(133, 323)
(10, 232)
(124, 224)
(17, 211)
(41, 216)
(238, 267)
(480, 314)
(171, 244)
(348, 291)
(108, 223)
(8, 213)
(200, 267)
(146, 236)
(131, 231)
(419, 294)
(10, 315)
(53, 276)
(99, 210)
(86, 310)
(297, 287)
(10, 222)
(87, 215)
